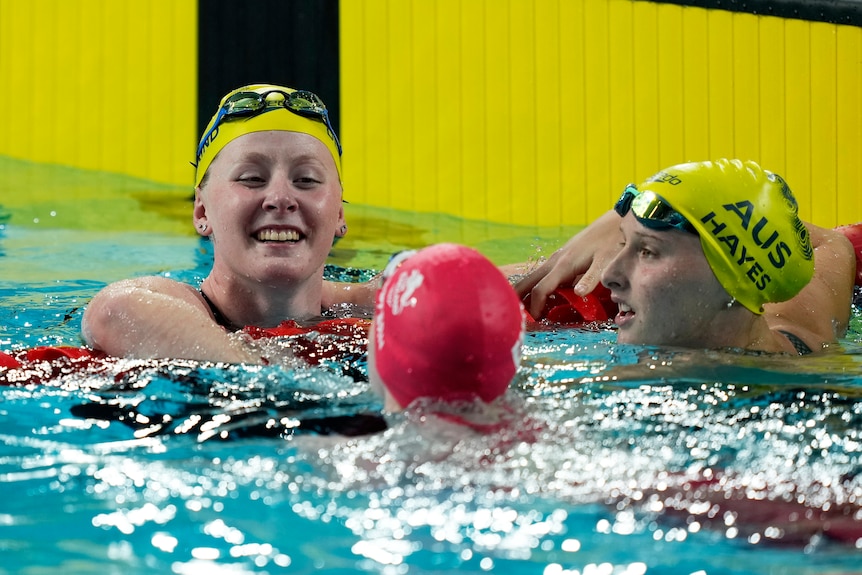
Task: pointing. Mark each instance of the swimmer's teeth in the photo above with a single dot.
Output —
(278, 236)
(624, 308)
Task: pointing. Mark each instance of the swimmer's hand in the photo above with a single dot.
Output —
(580, 262)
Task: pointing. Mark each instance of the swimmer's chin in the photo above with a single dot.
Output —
(623, 337)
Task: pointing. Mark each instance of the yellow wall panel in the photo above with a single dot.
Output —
(450, 111)
(848, 153)
(539, 112)
(509, 111)
(798, 64)
(548, 131)
(645, 85)
(671, 132)
(745, 83)
(573, 184)
(695, 85)
(772, 105)
(597, 104)
(352, 32)
(426, 185)
(622, 93)
(523, 63)
(477, 196)
(498, 98)
(823, 123)
(106, 85)
(719, 59)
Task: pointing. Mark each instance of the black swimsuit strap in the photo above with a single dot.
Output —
(217, 314)
(801, 347)
(227, 324)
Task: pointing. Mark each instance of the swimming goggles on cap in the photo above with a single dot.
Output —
(651, 210)
(245, 104)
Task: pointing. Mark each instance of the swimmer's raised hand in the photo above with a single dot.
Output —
(580, 262)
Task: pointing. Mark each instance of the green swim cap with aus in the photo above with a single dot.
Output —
(749, 227)
(260, 108)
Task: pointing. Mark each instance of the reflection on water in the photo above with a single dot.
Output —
(600, 468)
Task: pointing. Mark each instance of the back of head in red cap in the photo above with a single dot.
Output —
(447, 326)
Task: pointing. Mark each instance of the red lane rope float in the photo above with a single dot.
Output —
(39, 365)
(565, 308)
(352, 334)
(854, 234)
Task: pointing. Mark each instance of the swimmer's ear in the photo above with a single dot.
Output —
(342, 222)
(199, 215)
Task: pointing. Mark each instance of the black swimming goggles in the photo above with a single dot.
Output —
(246, 104)
(651, 210)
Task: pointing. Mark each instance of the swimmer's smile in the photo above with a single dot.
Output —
(271, 235)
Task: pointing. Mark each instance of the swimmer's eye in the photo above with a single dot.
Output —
(306, 182)
(646, 252)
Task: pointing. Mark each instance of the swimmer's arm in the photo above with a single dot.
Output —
(360, 294)
(822, 309)
(155, 317)
(580, 262)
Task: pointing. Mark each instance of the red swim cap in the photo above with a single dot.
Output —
(447, 326)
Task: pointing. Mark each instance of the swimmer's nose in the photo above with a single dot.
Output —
(280, 195)
(613, 275)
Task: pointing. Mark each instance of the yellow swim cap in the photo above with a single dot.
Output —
(263, 107)
(749, 227)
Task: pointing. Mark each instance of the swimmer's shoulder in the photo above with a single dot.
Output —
(120, 294)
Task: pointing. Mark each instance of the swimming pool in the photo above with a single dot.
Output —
(619, 459)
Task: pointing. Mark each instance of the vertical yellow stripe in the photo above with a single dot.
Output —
(848, 155)
(622, 93)
(376, 102)
(798, 73)
(497, 106)
(670, 93)
(773, 88)
(548, 136)
(721, 89)
(476, 195)
(575, 189)
(645, 85)
(450, 107)
(399, 109)
(823, 122)
(596, 39)
(354, 128)
(695, 85)
(746, 87)
(522, 160)
(425, 101)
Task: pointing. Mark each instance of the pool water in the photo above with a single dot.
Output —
(614, 459)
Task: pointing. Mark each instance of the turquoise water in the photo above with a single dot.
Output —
(186, 467)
